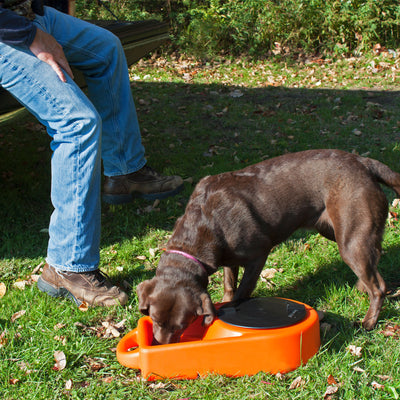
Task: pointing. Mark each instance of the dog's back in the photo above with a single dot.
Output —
(235, 218)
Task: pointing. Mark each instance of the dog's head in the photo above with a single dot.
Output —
(173, 306)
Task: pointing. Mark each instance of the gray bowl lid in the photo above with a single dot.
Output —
(262, 313)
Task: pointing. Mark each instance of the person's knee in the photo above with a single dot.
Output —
(91, 122)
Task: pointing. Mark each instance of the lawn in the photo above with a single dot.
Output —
(199, 119)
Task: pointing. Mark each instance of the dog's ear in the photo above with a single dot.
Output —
(144, 290)
(206, 309)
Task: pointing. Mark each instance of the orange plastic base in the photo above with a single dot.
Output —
(221, 348)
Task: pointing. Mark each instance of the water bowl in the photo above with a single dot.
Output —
(267, 334)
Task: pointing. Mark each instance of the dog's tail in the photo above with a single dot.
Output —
(382, 173)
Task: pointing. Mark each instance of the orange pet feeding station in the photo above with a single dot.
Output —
(257, 334)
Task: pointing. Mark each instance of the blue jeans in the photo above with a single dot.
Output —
(83, 131)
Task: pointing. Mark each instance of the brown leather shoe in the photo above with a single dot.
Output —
(93, 288)
(145, 183)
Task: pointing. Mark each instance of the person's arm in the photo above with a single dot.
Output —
(47, 49)
(15, 30)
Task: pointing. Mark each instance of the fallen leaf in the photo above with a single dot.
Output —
(61, 360)
(330, 390)
(358, 369)
(84, 306)
(396, 203)
(331, 380)
(113, 330)
(158, 385)
(298, 382)
(268, 273)
(38, 267)
(384, 377)
(377, 385)
(279, 376)
(68, 384)
(24, 367)
(3, 289)
(152, 252)
(61, 339)
(13, 381)
(17, 315)
(391, 330)
(19, 285)
(3, 339)
(236, 93)
(354, 350)
(95, 364)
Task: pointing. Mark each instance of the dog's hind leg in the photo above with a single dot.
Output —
(360, 249)
(230, 283)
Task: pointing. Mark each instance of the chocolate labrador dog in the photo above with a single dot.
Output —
(235, 218)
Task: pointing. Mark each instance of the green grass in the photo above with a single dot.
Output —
(199, 119)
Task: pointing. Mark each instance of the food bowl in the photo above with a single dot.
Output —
(258, 334)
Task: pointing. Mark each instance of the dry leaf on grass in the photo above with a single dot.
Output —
(84, 306)
(95, 364)
(298, 382)
(3, 289)
(331, 380)
(29, 281)
(3, 339)
(377, 385)
(384, 377)
(396, 203)
(113, 330)
(61, 360)
(391, 331)
(268, 273)
(61, 339)
(17, 315)
(20, 285)
(354, 350)
(332, 389)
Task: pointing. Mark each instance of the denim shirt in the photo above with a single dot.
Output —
(16, 27)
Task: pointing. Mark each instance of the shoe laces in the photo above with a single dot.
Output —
(97, 277)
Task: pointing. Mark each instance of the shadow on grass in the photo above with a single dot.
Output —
(194, 130)
(333, 278)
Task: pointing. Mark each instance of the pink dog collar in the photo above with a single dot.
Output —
(190, 257)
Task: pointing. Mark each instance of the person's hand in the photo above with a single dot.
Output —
(47, 49)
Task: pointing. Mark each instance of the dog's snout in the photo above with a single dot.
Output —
(155, 342)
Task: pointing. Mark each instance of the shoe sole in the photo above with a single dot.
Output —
(45, 287)
(127, 198)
